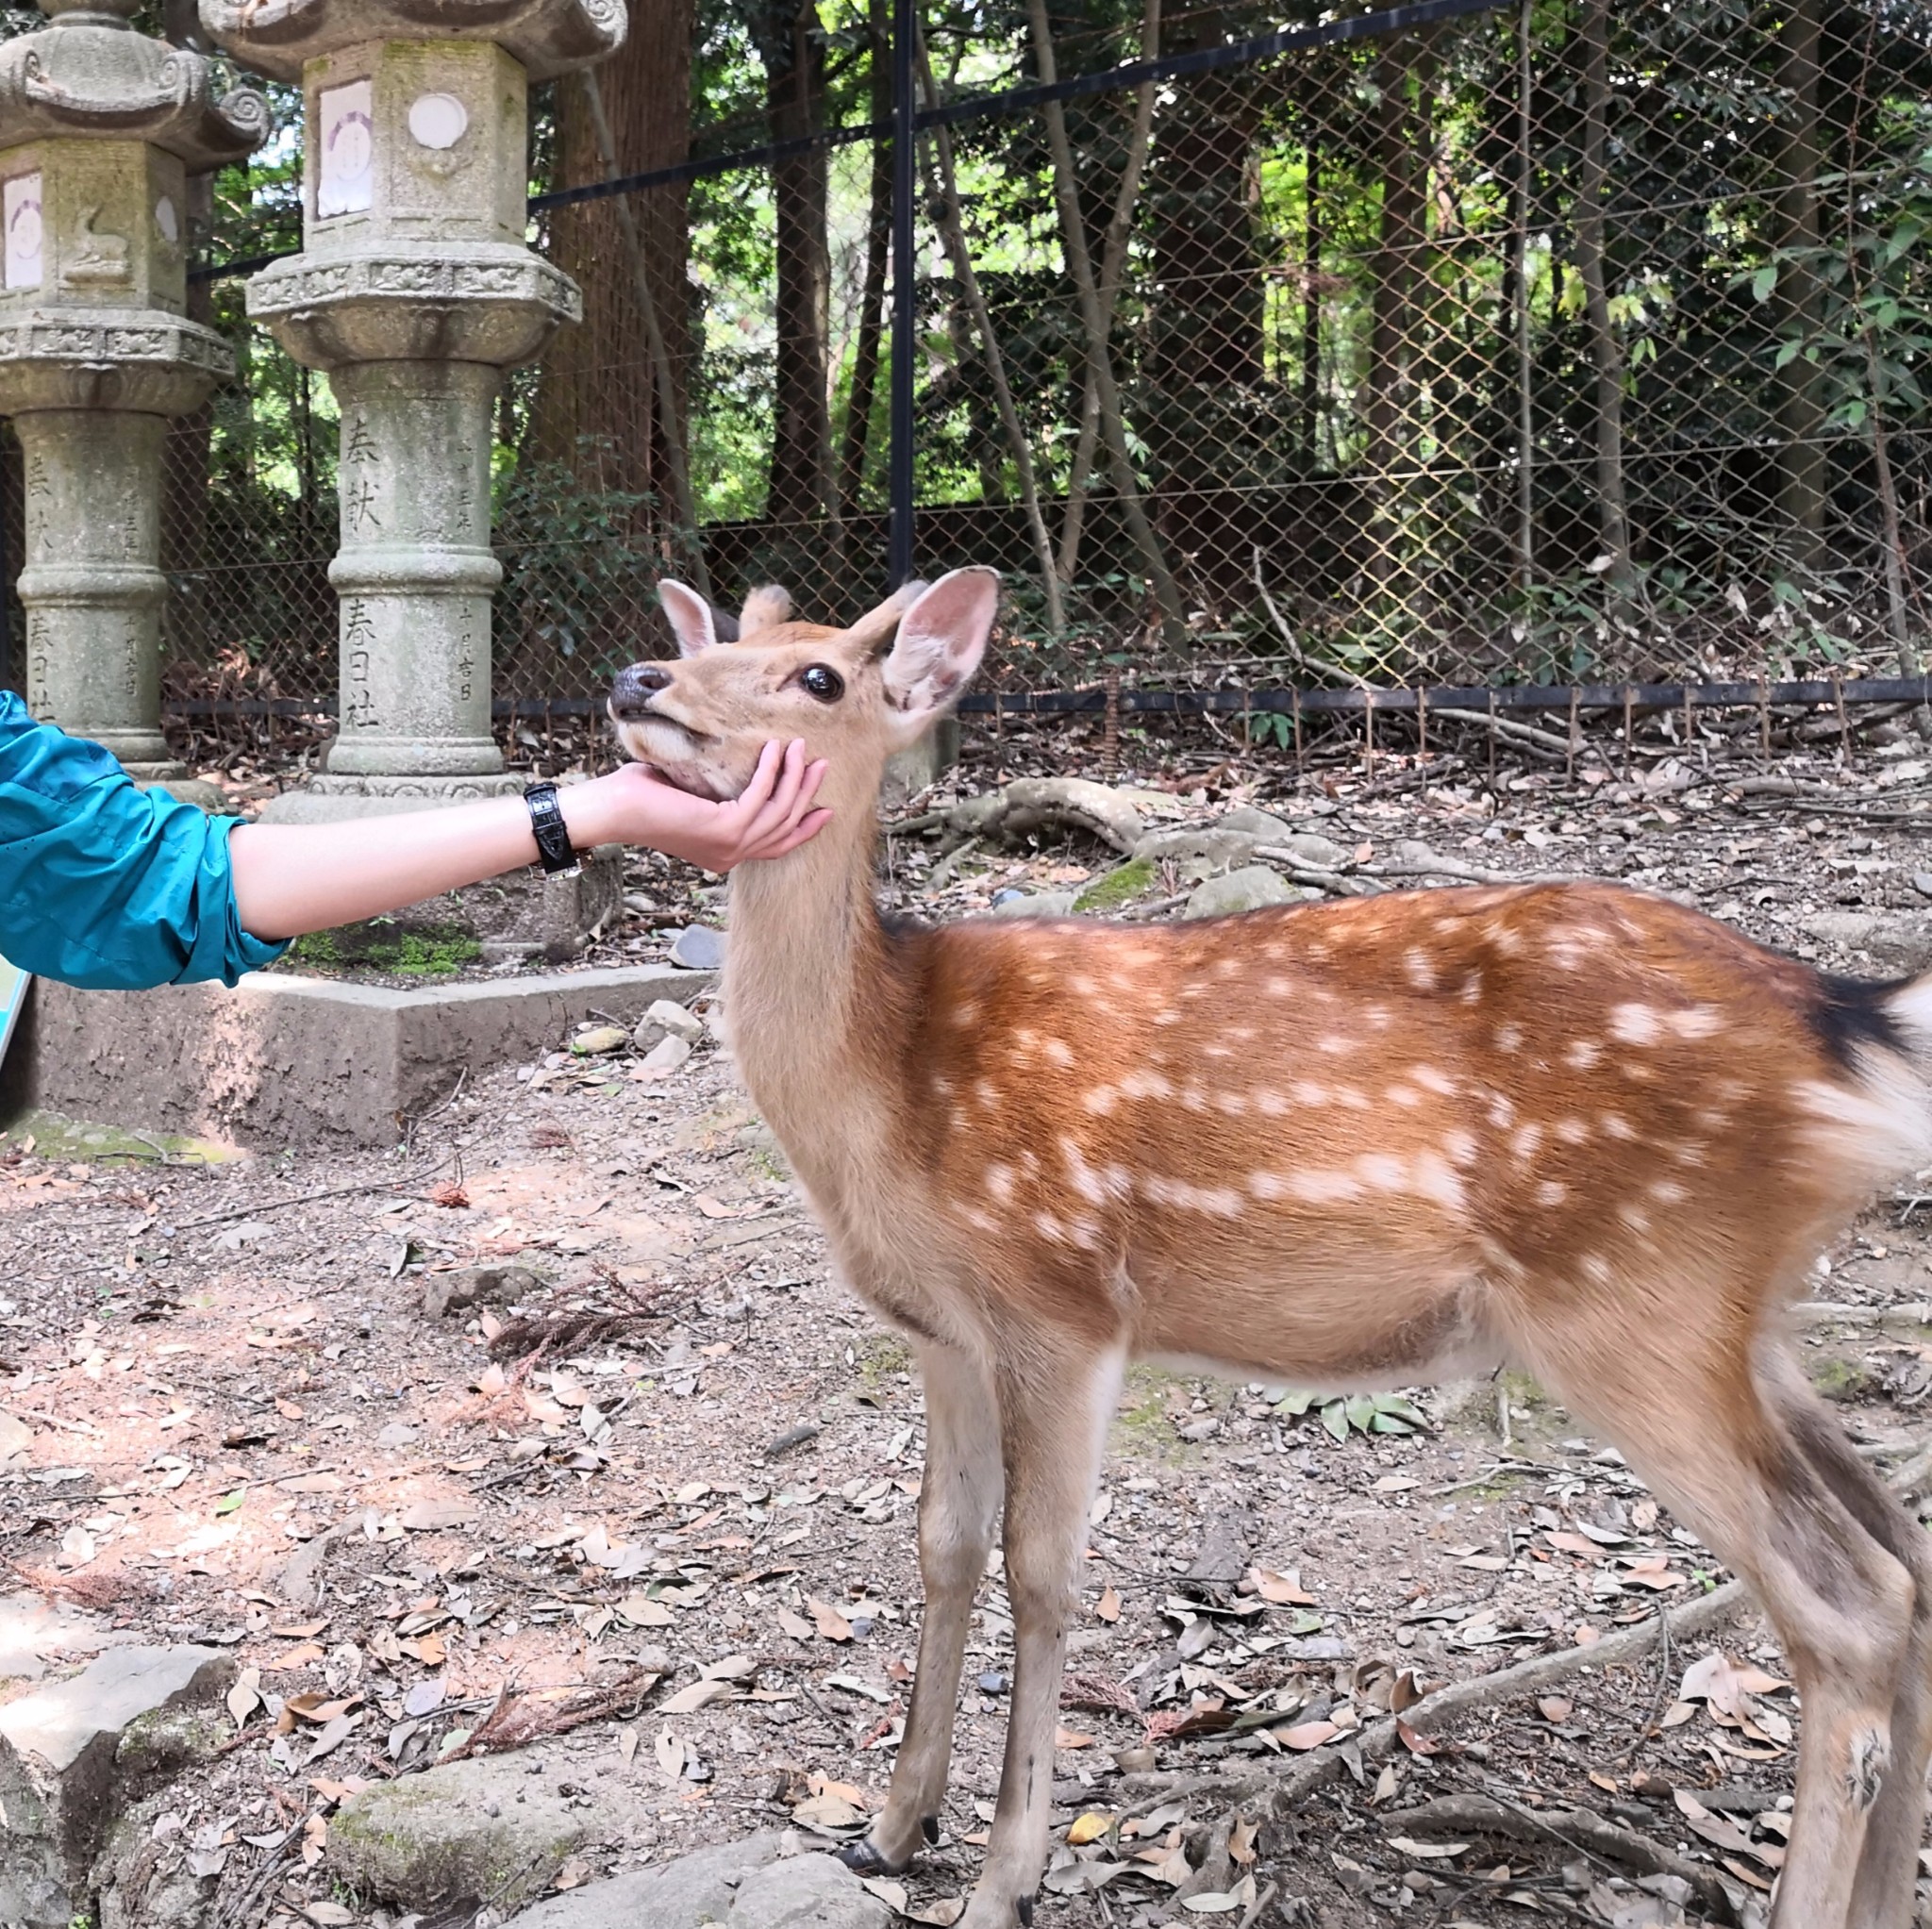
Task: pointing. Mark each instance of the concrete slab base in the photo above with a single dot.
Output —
(285, 1060)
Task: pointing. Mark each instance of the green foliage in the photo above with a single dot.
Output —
(380, 945)
(1362, 1413)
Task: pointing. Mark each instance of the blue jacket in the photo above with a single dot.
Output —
(104, 885)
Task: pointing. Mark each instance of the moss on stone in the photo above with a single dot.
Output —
(430, 951)
(1120, 887)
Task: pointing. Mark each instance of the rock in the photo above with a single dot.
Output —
(1040, 904)
(665, 1057)
(448, 1294)
(1241, 890)
(75, 1757)
(747, 1885)
(1028, 805)
(1310, 848)
(1201, 852)
(699, 948)
(1263, 824)
(599, 1038)
(458, 1836)
(16, 1437)
(1894, 942)
(667, 1018)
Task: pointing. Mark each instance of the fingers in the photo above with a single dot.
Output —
(756, 793)
(807, 827)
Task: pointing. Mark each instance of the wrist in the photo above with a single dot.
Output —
(586, 813)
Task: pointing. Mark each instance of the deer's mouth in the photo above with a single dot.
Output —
(672, 752)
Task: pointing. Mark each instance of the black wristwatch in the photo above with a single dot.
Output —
(554, 851)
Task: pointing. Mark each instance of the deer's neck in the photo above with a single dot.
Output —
(816, 1012)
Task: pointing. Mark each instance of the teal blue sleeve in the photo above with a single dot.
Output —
(104, 885)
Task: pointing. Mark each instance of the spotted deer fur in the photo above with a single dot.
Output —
(1349, 1145)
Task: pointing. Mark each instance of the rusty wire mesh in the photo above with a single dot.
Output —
(1564, 340)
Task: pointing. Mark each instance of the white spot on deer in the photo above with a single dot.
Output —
(1333, 1046)
(1167, 1016)
(1421, 968)
(1615, 1126)
(1353, 1097)
(1595, 1269)
(1508, 1037)
(978, 1220)
(1279, 987)
(1635, 1025)
(1233, 1103)
(1688, 1156)
(942, 1087)
(1431, 1080)
(985, 1091)
(1305, 1091)
(1146, 1084)
(1384, 1170)
(1571, 1131)
(1379, 1016)
(1471, 989)
(1083, 1232)
(1087, 1182)
(1083, 987)
(1325, 1188)
(1504, 941)
(1434, 1180)
(1501, 1110)
(1634, 1217)
(1266, 1186)
(1551, 1193)
(1221, 1201)
(1058, 1051)
(1525, 1142)
(1241, 1034)
(1459, 1146)
(1698, 1021)
(999, 1182)
(1270, 1104)
(1049, 1227)
(1403, 1096)
(1668, 1192)
(965, 1014)
(1194, 1099)
(1582, 1053)
(1102, 1099)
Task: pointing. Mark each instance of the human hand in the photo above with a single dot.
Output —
(632, 805)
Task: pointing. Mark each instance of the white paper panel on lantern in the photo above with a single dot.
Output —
(347, 181)
(20, 209)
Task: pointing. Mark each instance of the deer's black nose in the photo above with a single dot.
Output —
(635, 687)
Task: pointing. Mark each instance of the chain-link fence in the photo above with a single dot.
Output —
(1557, 341)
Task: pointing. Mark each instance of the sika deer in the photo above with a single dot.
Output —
(1349, 1145)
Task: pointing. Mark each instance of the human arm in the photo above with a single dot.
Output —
(291, 878)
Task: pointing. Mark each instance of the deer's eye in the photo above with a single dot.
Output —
(821, 681)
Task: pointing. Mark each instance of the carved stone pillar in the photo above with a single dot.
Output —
(413, 291)
(100, 128)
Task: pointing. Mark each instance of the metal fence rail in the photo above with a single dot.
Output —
(1555, 342)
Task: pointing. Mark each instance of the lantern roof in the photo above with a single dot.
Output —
(546, 37)
(90, 74)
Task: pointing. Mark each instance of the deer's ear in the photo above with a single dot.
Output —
(764, 609)
(689, 615)
(941, 637)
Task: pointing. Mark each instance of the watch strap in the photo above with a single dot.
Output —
(554, 851)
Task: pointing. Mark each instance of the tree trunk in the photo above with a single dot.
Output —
(1393, 344)
(944, 192)
(1113, 263)
(597, 406)
(872, 302)
(792, 46)
(1096, 331)
(1613, 518)
(1802, 482)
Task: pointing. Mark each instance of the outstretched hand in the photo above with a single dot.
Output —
(774, 814)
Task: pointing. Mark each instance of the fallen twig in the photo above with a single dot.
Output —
(255, 1212)
(1571, 1828)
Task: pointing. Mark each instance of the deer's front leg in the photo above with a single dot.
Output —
(959, 1500)
(1054, 1404)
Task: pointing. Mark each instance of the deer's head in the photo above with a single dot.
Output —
(855, 696)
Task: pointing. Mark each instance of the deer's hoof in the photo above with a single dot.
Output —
(864, 1859)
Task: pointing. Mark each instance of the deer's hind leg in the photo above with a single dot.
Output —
(1883, 1896)
(1690, 1413)
(958, 1503)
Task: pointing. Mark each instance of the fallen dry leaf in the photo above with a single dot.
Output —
(830, 1623)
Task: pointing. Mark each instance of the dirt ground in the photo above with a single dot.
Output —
(640, 1496)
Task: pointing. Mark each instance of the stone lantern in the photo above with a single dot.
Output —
(414, 292)
(100, 128)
